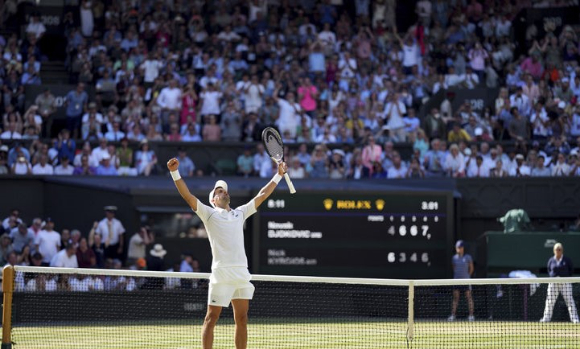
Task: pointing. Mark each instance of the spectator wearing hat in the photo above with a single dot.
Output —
(336, 166)
(145, 159)
(112, 232)
(47, 242)
(155, 262)
(76, 103)
(560, 266)
(520, 169)
(462, 269)
(21, 237)
(106, 168)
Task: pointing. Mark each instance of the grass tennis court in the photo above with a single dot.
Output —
(309, 335)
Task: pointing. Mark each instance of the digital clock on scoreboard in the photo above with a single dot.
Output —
(391, 235)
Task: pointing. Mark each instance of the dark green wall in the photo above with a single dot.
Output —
(548, 201)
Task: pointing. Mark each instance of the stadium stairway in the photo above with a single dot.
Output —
(54, 72)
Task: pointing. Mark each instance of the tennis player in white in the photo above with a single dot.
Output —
(230, 278)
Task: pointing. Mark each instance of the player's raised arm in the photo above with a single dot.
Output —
(191, 200)
(269, 188)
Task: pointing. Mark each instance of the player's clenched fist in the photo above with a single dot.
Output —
(173, 164)
(282, 168)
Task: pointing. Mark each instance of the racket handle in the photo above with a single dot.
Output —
(289, 182)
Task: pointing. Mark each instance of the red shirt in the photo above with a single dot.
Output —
(84, 258)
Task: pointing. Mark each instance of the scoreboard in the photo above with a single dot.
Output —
(401, 234)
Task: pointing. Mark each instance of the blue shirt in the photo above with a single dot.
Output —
(461, 266)
(186, 166)
(76, 103)
(106, 171)
(563, 268)
(13, 155)
(66, 149)
(185, 267)
(316, 62)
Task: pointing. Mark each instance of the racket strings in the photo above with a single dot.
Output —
(273, 144)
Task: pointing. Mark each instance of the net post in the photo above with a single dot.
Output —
(7, 289)
(411, 312)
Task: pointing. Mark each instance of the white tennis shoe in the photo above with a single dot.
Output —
(471, 318)
(544, 320)
(451, 318)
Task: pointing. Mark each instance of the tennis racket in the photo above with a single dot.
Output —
(275, 148)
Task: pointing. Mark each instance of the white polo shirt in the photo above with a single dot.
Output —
(62, 260)
(112, 231)
(225, 232)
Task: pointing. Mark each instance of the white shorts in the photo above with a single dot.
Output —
(229, 283)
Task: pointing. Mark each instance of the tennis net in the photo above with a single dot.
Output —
(90, 308)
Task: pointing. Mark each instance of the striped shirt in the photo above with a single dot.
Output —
(461, 266)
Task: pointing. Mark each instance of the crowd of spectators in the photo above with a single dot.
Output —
(337, 76)
(39, 244)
